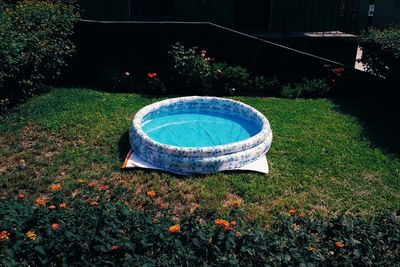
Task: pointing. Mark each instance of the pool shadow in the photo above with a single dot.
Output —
(379, 117)
(123, 146)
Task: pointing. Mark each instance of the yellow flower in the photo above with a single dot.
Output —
(235, 203)
(174, 229)
(151, 194)
(31, 235)
(55, 187)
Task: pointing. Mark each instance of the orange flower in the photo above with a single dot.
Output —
(31, 235)
(4, 235)
(311, 249)
(225, 224)
(92, 184)
(20, 196)
(55, 187)
(233, 223)
(55, 226)
(174, 229)
(238, 234)
(93, 203)
(103, 187)
(40, 202)
(236, 203)
(292, 212)
(301, 214)
(114, 247)
(52, 207)
(161, 204)
(339, 244)
(151, 194)
(63, 205)
(80, 181)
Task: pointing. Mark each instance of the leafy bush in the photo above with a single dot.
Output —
(154, 85)
(34, 44)
(195, 72)
(230, 80)
(381, 51)
(96, 227)
(266, 86)
(191, 69)
(308, 88)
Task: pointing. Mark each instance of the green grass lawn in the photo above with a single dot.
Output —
(320, 162)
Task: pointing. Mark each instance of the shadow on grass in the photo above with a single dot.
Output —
(379, 117)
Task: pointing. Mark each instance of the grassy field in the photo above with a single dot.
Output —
(320, 162)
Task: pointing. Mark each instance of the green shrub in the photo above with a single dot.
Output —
(97, 227)
(154, 85)
(193, 71)
(231, 80)
(263, 86)
(34, 44)
(308, 89)
(381, 51)
(190, 69)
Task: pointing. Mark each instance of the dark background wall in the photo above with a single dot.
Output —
(107, 49)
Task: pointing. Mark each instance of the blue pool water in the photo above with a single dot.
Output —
(199, 129)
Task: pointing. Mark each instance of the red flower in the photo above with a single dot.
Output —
(114, 247)
(55, 226)
(152, 75)
(4, 235)
(20, 196)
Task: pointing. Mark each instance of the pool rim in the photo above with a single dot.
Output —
(225, 149)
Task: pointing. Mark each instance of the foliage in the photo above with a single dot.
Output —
(190, 69)
(381, 51)
(154, 85)
(266, 86)
(34, 44)
(195, 72)
(308, 89)
(96, 227)
(231, 80)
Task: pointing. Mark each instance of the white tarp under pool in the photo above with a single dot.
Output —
(133, 161)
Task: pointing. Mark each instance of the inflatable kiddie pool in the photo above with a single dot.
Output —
(198, 135)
